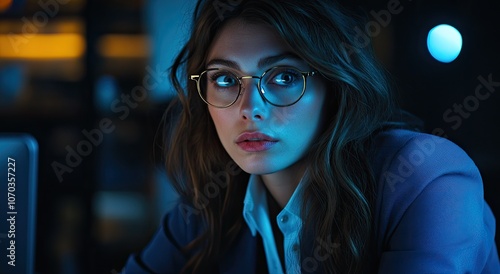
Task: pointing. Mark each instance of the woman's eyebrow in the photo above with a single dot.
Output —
(263, 62)
(268, 61)
(223, 62)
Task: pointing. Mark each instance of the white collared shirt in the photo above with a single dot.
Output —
(256, 215)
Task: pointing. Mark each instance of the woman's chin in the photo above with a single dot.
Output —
(257, 168)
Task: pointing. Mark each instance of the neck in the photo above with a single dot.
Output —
(282, 184)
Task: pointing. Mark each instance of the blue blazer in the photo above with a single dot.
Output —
(430, 216)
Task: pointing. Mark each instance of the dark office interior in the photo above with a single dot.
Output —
(80, 72)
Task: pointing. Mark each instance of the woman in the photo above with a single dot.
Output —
(287, 157)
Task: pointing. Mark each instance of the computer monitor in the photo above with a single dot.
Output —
(18, 193)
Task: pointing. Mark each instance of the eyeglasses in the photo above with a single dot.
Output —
(280, 86)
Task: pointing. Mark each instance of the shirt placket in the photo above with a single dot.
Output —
(290, 225)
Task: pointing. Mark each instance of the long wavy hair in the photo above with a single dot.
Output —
(339, 186)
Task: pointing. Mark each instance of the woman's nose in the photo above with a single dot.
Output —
(252, 104)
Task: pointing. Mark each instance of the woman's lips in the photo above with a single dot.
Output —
(255, 141)
(256, 146)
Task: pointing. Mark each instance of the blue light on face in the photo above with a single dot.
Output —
(444, 43)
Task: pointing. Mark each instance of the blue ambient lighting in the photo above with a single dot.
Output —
(444, 43)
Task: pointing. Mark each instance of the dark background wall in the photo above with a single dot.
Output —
(105, 204)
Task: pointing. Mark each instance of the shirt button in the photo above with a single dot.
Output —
(284, 219)
(295, 247)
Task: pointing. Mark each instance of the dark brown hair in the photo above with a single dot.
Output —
(338, 193)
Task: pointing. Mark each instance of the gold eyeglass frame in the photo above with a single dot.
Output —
(305, 74)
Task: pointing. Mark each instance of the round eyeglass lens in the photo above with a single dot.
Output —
(219, 87)
(283, 85)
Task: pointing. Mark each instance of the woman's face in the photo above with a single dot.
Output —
(259, 137)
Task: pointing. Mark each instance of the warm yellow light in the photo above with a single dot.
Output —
(5, 4)
(123, 46)
(56, 25)
(41, 46)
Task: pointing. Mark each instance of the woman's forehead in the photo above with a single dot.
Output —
(245, 42)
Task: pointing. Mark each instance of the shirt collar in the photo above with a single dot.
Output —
(255, 204)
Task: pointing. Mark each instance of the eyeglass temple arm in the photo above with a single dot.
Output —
(196, 77)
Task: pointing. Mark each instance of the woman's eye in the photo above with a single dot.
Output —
(224, 81)
(285, 78)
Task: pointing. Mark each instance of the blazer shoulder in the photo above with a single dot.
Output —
(165, 252)
(404, 154)
(407, 163)
(430, 205)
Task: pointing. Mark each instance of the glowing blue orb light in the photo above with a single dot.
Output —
(444, 43)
